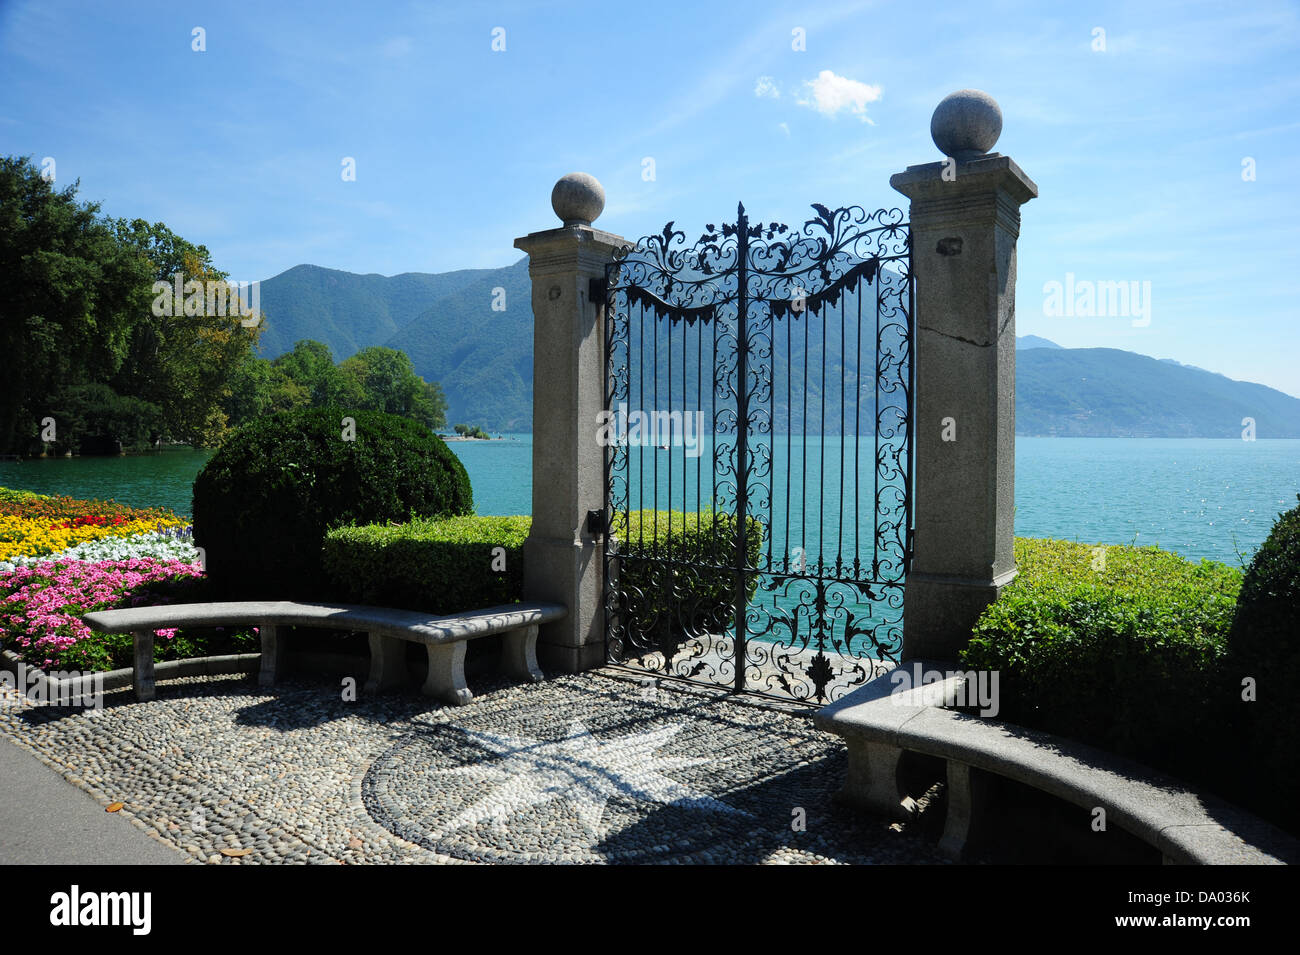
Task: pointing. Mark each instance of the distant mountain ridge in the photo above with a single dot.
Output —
(1033, 341)
(347, 311)
(472, 331)
(1105, 392)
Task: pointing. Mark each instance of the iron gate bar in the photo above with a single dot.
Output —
(742, 435)
(683, 286)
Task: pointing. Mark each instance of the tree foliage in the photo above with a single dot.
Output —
(374, 379)
(72, 294)
(121, 332)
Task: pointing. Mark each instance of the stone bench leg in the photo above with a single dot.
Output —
(968, 802)
(446, 679)
(142, 673)
(387, 663)
(875, 779)
(272, 655)
(519, 655)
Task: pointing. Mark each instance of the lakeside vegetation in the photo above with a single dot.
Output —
(96, 366)
(467, 431)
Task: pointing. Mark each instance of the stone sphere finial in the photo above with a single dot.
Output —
(966, 124)
(578, 198)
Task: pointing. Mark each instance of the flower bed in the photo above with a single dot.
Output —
(61, 558)
(41, 606)
(36, 525)
(174, 543)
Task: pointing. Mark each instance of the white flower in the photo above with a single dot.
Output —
(162, 545)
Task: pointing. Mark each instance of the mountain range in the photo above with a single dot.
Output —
(471, 331)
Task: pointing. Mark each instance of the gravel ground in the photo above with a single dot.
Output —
(580, 769)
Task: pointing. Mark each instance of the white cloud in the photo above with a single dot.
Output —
(830, 94)
(766, 87)
(784, 127)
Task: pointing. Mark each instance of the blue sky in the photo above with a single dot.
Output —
(1138, 149)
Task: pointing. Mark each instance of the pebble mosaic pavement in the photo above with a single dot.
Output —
(590, 768)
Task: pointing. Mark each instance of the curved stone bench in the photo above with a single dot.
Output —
(880, 725)
(444, 637)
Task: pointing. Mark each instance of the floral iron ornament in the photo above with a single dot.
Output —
(726, 328)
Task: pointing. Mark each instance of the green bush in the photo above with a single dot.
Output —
(1265, 646)
(264, 502)
(440, 566)
(446, 565)
(1127, 656)
(665, 600)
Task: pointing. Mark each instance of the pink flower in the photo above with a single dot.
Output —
(44, 604)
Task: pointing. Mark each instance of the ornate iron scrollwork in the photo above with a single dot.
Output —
(724, 329)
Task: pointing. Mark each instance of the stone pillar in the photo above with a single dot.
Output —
(563, 560)
(965, 219)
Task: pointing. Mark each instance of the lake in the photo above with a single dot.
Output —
(1213, 498)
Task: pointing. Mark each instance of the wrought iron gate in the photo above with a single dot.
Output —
(730, 363)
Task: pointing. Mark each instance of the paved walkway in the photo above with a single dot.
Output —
(578, 769)
(45, 820)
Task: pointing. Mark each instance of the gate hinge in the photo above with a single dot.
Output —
(597, 523)
(596, 289)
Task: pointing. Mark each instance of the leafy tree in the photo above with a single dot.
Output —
(311, 366)
(250, 388)
(73, 293)
(184, 360)
(431, 405)
(386, 381)
(95, 416)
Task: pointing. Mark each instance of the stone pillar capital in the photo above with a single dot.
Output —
(995, 173)
(567, 248)
(991, 188)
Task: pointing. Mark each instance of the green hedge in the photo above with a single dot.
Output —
(1128, 657)
(659, 596)
(441, 566)
(447, 565)
(263, 503)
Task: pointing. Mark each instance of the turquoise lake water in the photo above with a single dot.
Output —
(1207, 498)
(1202, 498)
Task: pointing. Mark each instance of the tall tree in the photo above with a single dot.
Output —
(73, 293)
(185, 349)
(312, 367)
(388, 382)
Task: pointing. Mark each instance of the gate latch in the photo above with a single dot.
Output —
(597, 523)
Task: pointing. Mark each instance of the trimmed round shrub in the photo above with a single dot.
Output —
(264, 502)
(1267, 622)
(1264, 646)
